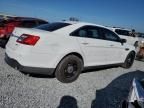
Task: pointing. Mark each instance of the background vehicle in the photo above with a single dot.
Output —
(66, 48)
(127, 34)
(6, 16)
(7, 26)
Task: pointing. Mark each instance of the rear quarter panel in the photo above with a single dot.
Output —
(57, 45)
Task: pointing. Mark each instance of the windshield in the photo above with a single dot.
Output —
(52, 26)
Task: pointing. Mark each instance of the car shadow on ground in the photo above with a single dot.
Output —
(112, 95)
(2, 43)
(109, 97)
(38, 75)
(2, 46)
(68, 102)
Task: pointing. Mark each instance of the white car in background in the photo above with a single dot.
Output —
(126, 34)
(66, 48)
(141, 38)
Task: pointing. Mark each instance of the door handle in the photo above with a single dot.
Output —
(111, 45)
(85, 43)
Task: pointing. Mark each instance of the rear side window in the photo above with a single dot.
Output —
(122, 32)
(87, 31)
(52, 26)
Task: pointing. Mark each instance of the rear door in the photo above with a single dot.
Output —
(91, 44)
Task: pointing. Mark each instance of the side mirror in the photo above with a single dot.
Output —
(123, 41)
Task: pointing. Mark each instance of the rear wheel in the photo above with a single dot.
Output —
(69, 69)
(129, 60)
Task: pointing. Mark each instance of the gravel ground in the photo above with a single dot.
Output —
(100, 89)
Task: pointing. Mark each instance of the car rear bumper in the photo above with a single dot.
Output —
(36, 70)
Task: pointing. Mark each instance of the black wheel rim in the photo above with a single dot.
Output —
(70, 70)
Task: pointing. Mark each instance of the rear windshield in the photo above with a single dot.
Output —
(122, 32)
(52, 26)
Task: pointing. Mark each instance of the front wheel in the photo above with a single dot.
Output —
(69, 69)
(129, 60)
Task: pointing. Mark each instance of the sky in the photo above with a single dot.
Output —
(119, 13)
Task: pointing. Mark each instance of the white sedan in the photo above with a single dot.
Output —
(64, 49)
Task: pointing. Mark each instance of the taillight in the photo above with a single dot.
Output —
(28, 39)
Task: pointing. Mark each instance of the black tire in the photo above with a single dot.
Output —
(129, 60)
(69, 69)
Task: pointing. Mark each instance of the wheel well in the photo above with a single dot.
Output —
(73, 53)
(76, 54)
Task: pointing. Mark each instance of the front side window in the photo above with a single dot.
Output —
(87, 31)
(52, 26)
(109, 35)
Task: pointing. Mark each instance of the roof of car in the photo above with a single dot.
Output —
(75, 25)
(83, 23)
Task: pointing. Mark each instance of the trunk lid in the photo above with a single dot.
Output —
(13, 44)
